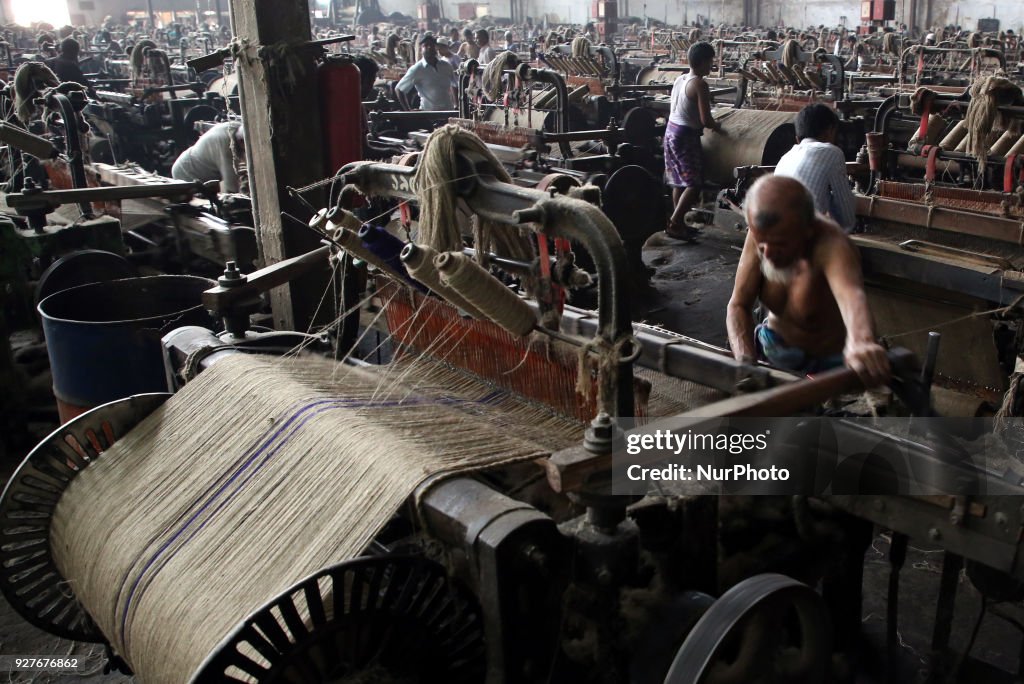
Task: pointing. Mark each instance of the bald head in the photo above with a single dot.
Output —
(773, 200)
(780, 213)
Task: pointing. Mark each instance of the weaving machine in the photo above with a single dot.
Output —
(948, 64)
(940, 235)
(149, 114)
(331, 521)
(789, 78)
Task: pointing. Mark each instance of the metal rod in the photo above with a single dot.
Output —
(110, 194)
(930, 359)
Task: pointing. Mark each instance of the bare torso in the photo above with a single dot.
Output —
(804, 311)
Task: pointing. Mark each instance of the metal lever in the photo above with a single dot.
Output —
(217, 57)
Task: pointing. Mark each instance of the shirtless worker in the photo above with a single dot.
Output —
(806, 272)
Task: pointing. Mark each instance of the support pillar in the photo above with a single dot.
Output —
(283, 144)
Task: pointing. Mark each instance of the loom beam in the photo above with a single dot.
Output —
(511, 205)
(576, 468)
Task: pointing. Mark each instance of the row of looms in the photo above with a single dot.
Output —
(363, 419)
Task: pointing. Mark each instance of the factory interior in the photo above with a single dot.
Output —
(512, 341)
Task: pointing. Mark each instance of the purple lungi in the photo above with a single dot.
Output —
(684, 158)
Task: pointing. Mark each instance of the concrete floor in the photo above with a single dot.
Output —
(690, 289)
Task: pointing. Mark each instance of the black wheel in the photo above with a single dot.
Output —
(29, 578)
(639, 126)
(634, 203)
(399, 618)
(767, 629)
(199, 113)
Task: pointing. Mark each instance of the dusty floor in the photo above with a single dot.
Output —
(690, 289)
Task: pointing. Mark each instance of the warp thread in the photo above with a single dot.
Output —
(237, 510)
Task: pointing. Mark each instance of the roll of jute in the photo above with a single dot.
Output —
(485, 292)
(419, 260)
(254, 476)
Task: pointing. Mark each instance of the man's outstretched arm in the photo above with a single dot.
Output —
(841, 265)
(739, 320)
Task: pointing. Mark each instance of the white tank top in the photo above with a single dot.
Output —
(685, 112)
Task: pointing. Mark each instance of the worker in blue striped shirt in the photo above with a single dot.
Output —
(816, 162)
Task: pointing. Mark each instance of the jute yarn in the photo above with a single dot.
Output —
(493, 72)
(983, 112)
(29, 80)
(254, 476)
(580, 46)
(436, 174)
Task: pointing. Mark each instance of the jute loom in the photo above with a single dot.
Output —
(269, 472)
(222, 534)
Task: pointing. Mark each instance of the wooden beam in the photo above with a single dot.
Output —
(574, 468)
(283, 143)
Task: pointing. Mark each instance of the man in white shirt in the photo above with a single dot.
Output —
(487, 53)
(444, 51)
(430, 77)
(816, 162)
(219, 155)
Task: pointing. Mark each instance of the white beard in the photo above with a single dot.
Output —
(776, 274)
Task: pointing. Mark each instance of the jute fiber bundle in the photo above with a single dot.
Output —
(29, 80)
(254, 476)
(436, 174)
(580, 46)
(982, 116)
(493, 72)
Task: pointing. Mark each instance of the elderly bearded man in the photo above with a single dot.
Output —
(805, 270)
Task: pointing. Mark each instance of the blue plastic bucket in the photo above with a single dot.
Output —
(103, 339)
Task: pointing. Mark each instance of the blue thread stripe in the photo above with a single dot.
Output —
(316, 408)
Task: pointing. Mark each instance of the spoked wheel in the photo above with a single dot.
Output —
(378, 618)
(769, 629)
(29, 578)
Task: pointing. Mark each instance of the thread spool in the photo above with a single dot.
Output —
(1003, 144)
(936, 124)
(354, 246)
(1017, 148)
(387, 248)
(877, 144)
(485, 292)
(419, 262)
(954, 137)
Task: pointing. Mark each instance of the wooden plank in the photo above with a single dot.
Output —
(941, 218)
(281, 112)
